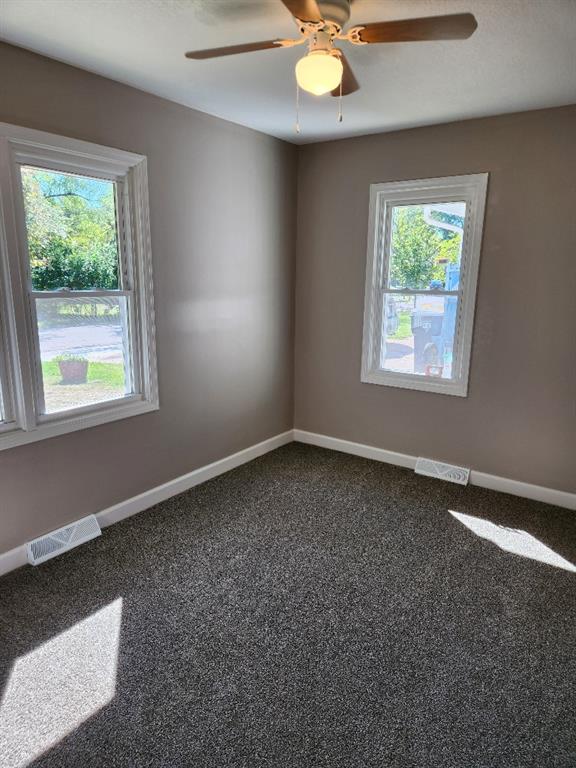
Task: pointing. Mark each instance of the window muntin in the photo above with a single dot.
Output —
(424, 244)
(75, 260)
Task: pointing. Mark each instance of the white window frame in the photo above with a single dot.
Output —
(20, 371)
(383, 198)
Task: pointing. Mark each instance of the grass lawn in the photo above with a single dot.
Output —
(404, 326)
(105, 382)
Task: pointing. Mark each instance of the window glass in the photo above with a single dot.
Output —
(418, 334)
(3, 381)
(84, 350)
(71, 228)
(426, 246)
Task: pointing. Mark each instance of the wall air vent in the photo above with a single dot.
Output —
(442, 471)
(63, 539)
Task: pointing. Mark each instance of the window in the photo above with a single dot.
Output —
(423, 252)
(76, 308)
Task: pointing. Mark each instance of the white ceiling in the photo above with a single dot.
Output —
(522, 56)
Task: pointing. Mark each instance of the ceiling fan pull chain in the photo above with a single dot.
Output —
(340, 103)
(297, 126)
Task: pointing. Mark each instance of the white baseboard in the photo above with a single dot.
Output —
(185, 482)
(481, 479)
(13, 559)
(526, 490)
(357, 449)
(17, 556)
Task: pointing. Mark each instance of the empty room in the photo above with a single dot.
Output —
(287, 383)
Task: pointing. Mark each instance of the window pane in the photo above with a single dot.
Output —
(84, 350)
(418, 334)
(3, 384)
(71, 227)
(426, 246)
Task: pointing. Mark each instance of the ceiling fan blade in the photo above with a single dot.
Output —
(305, 10)
(349, 82)
(229, 50)
(456, 26)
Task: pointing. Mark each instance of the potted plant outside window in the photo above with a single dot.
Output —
(73, 368)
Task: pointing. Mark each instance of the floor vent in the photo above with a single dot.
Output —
(63, 539)
(442, 471)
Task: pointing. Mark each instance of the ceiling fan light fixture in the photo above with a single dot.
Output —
(319, 72)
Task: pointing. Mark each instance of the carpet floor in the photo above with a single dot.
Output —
(306, 610)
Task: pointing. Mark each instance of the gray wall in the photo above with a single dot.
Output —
(223, 220)
(222, 203)
(519, 419)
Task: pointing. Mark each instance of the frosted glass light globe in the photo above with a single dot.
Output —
(319, 72)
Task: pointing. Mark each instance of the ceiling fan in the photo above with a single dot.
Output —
(325, 68)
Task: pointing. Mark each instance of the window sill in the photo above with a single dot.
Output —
(419, 383)
(72, 422)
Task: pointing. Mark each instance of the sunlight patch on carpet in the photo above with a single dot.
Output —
(513, 540)
(58, 686)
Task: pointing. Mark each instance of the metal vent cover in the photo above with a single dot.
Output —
(442, 471)
(62, 539)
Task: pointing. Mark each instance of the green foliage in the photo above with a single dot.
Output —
(69, 357)
(415, 248)
(450, 248)
(418, 249)
(447, 218)
(56, 265)
(404, 330)
(449, 252)
(71, 226)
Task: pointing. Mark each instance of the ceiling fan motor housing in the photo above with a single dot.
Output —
(320, 41)
(336, 11)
